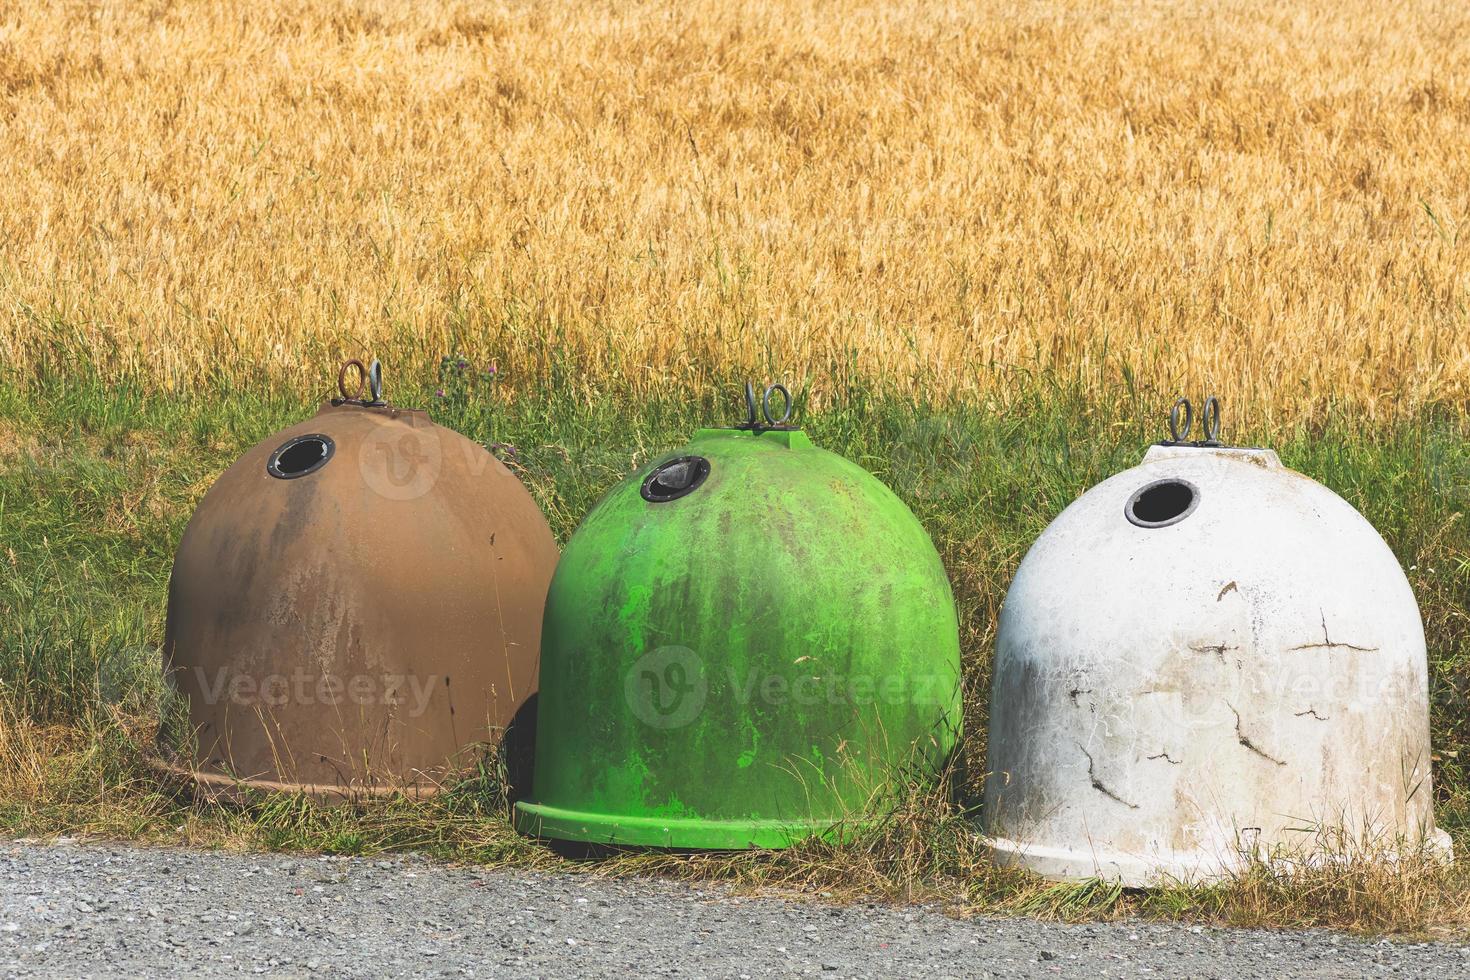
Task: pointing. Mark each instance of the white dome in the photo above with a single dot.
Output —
(1204, 658)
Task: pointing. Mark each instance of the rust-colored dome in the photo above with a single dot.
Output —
(356, 601)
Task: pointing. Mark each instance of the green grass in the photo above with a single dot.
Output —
(97, 480)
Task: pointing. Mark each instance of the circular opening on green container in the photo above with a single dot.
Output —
(675, 478)
(300, 456)
(1162, 502)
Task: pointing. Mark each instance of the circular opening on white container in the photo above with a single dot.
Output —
(300, 456)
(1162, 502)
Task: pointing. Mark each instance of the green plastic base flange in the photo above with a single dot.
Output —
(537, 820)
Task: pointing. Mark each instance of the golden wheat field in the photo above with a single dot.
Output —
(1271, 199)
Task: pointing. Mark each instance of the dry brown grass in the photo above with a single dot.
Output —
(1270, 198)
(93, 785)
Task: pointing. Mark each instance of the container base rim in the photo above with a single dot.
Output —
(222, 786)
(557, 823)
(1164, 869)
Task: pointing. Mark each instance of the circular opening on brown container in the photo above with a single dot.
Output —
(1162, 502)
(674, 479)
(300, 456)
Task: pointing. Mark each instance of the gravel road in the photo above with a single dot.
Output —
(85, 910)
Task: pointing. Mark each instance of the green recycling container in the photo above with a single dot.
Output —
(749, 642)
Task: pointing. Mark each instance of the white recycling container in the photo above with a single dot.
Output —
(1206, 660)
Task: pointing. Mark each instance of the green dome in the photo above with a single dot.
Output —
(744, 643)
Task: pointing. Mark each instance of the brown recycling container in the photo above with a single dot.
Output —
(355, 606)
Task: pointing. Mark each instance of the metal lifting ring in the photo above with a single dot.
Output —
(369, 378)
(766, 404)
(375, 383)
(771, 421)
(1174, 434)
(362, 379)
(749, 406)
(1210, 421)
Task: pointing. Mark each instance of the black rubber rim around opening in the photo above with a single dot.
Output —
(675, 478)
(300, 456)
(1162, 502)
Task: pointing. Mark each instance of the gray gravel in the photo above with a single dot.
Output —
(86, 910)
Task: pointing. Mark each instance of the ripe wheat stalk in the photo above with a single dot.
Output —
(1269, 200)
